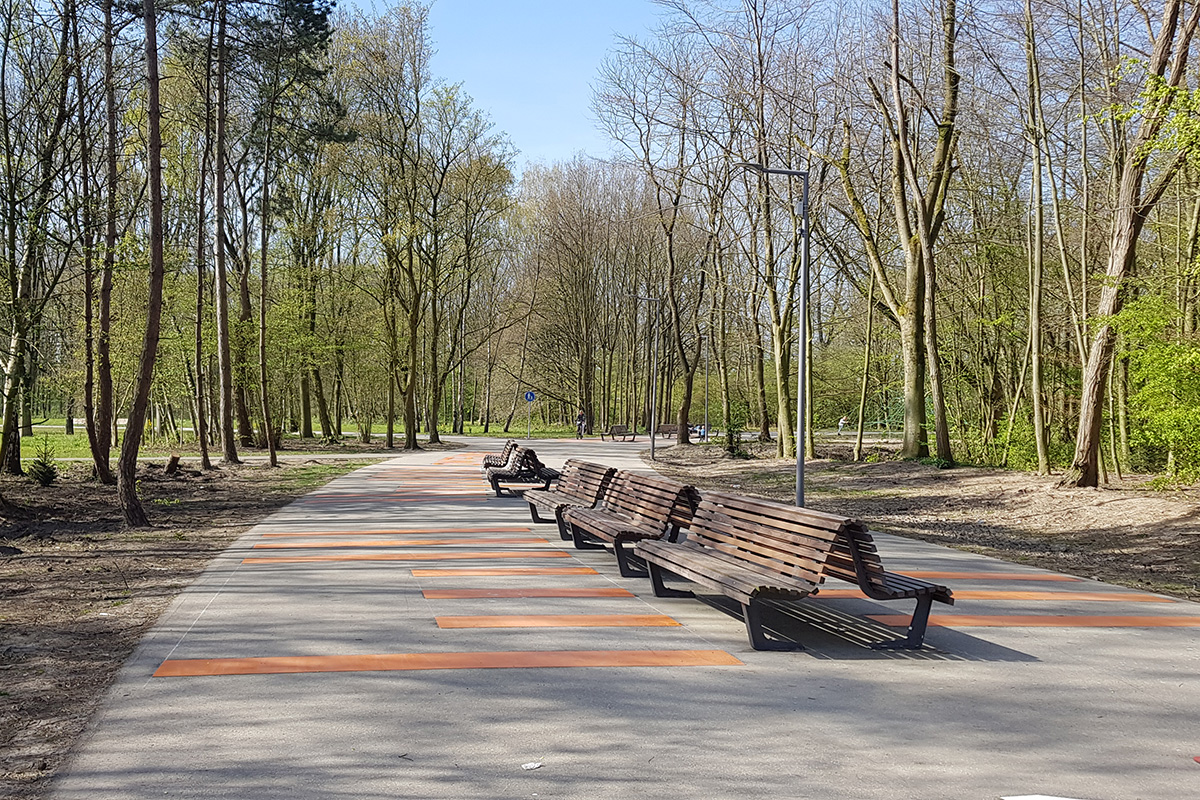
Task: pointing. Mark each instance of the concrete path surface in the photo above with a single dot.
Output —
(399, 633)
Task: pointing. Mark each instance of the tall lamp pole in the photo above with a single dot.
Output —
(801, 398)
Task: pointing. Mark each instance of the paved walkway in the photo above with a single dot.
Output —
(401, 634)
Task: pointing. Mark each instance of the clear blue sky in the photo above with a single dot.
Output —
(531, 64)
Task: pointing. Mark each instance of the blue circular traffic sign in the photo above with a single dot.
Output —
(530, 397)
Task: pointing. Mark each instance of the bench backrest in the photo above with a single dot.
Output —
(653, 501)
(618, 430)
(521, 459)
(584, 480)
(793, 542)
(854, 557)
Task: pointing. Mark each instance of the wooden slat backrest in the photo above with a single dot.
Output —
(569, 481)
(529, 460)
(591, 480)
(514, 457)
(642, 497)
(794, 542)
(841, 560)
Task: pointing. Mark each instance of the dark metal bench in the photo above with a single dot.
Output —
(632, 508)
(581, 485)
(523, 467)
(752, 550)
(619, 430)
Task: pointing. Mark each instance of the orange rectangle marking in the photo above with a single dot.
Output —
(560, 621)
(998, 594)
(447, 556)
(535, 659)
(399, 543)
(396, 498)
(564, 591)
(990, 576)
(1039, 621)
(408, 531)
(490, 571)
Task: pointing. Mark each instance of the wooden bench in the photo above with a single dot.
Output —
(667, 430)
(498, 459)
(523, 467)
(581, 485)
(633, 508)
(753, 550)
(618, 430)
(749, 550)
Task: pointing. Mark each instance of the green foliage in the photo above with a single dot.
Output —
(43, 469)
(733, 430)
(1165, 393)
(940, 463)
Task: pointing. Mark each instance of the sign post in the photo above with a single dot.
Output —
(529, 398)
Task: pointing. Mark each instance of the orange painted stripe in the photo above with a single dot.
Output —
(178, 668)
(560, 621)
(467, 594)
(448, 556)
(399, 543)
(991, 576)
(977, 594)
(490, 571)
(406, 498)
(1040, 621)
(409, 531)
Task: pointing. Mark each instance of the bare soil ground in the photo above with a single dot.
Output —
(1124, 533)
(78, 589)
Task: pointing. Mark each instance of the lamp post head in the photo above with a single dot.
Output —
(760, 169)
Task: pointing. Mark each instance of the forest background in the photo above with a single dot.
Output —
(226, 222)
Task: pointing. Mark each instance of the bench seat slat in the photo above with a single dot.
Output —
(743, 584)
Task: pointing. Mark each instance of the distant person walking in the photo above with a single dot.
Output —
(580, 424)
(842, 423)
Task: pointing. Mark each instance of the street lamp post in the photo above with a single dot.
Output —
(801, 398)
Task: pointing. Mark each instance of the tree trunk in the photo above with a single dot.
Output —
(131, 506)
(229, 453)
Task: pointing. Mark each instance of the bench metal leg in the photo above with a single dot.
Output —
(752, 613)
(533, 513)
(564, 531)
(581, 541)
(916, 628)
(660, 588)
(624, 560)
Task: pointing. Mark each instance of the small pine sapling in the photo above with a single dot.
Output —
(43, 469)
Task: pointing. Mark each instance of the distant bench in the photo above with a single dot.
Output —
(498, 459)
(621, 431)
(667, 430)
(523, 466)
(753, 550)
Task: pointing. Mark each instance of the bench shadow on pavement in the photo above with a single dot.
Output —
(832, 634)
